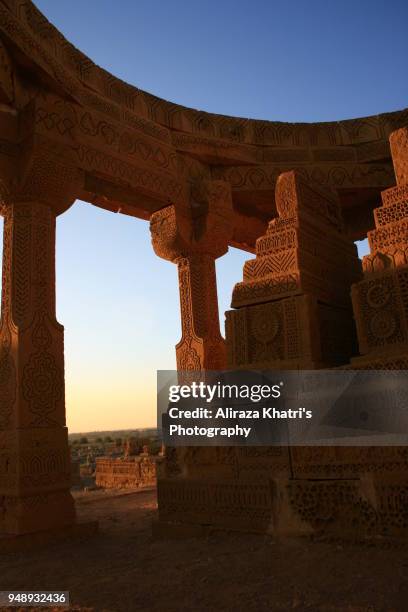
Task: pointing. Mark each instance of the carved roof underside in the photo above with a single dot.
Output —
(139, 153)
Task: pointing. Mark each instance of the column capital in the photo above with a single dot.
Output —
(193, 236)
(202, 227)
(42, 176)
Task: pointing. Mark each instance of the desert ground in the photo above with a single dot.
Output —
(123, 568)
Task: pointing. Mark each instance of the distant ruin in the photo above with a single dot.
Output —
(127, 472)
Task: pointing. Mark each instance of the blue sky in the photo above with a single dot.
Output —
(287, 61)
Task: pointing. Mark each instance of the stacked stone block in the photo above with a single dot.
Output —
(293, 307)
(380, 301)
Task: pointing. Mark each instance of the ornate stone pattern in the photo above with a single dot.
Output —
(391, 235)
(395, 195)
(29, 306)
(347, 462)
(202, 346)
(130, 471)
(230, 504)
(352, 507)
(128, 139)
(391, 214)
(40, 40)
(334, 507)
(42, 387)
(193, 237)
(265, 333)
(345, 176)
(108, 117)
(56, 117)
(351, 491)
(297, 287)
(380, 301)
(46, 178)
(298, 254)
(380, 312)
(266, 289)
(34, 458)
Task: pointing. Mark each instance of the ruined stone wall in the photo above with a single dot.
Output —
(125, 473)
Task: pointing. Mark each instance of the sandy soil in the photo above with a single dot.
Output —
(124, 568)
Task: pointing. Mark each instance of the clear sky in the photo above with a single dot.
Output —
(292, 60)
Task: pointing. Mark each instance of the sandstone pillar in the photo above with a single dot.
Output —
(193, 237)
(34, 455)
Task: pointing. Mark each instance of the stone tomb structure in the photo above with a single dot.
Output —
(132, 470)
(296, 195)
(294, 310)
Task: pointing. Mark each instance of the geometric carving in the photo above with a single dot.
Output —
(280, 326)
(231, 505)
(294, 332)
(42, 387)
(134, 141)
(353, 507)
(193, 237)
(294, 302)
(33, 437)
(380, 302)
(380, 310)
(303, 250)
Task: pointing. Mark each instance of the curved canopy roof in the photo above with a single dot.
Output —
(137, 150)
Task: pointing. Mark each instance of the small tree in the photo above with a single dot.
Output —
(107, 439)
(83, 440)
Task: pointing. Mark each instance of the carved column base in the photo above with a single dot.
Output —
(396, 360)
(200, 354)
(28, 514)
(298, 332)
(35, 480)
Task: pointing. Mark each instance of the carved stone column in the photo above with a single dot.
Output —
(193, 237)
(34, 454)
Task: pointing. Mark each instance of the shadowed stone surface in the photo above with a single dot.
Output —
(123, 568)
(297, 194)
